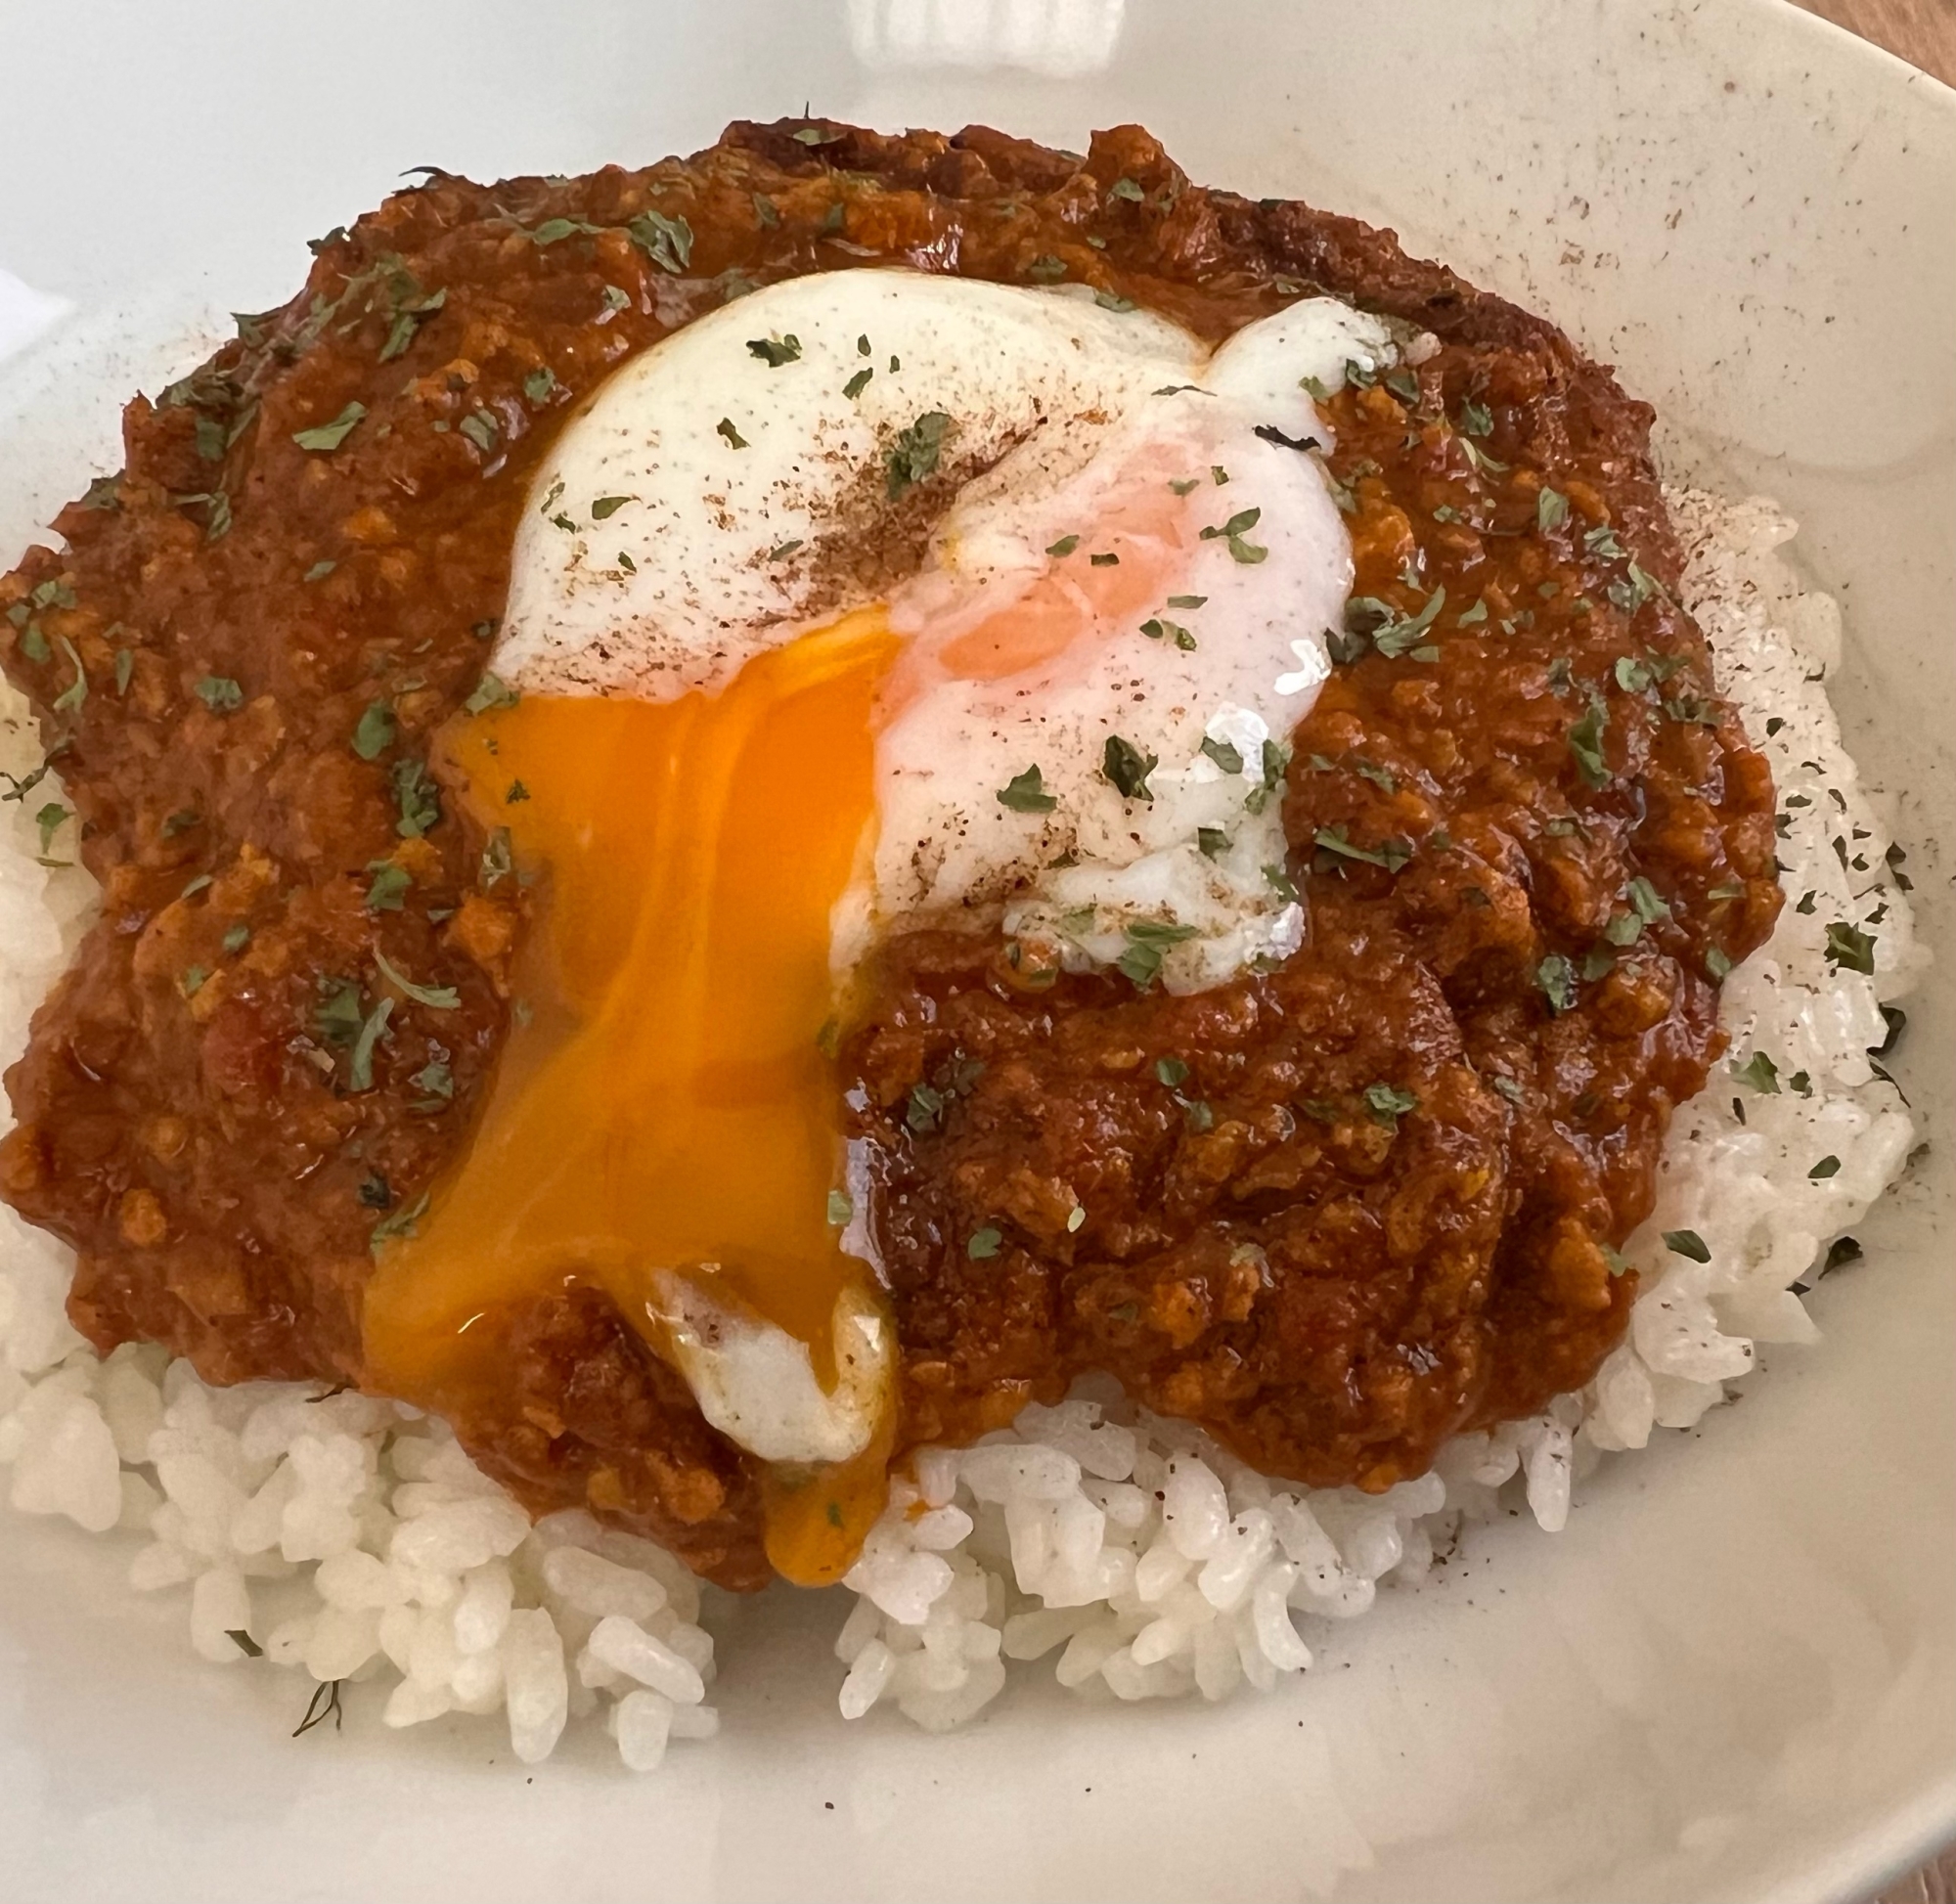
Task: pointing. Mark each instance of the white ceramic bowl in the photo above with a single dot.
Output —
(1734, 1675)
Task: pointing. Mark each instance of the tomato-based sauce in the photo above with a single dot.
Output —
(334, 1016)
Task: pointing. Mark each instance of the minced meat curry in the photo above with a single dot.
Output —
(1340, 1209)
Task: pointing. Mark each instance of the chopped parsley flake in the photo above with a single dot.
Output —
(1172, 1071)
(668, 241)
(1235, 530)
(498, 863)
(490, 691)
(859, 382)
(1388, 1105)
(1392, 854)
(375, 733)
(924, 1109)
(914, 455)
(389, 887)
(330, 437)
(404, 1222)
(724, 427)
(1556, 978)
(841, 1207)
(1759, 1072)
(360, 1065)
(483, 428)
(438, 998)
(1025, 793)
(1126, 769)
(775, 351)
(1585, 743)
(1648, 904)
(1849, 948)
(220, 693)
(1551, 508)
(1390, 632)
(416, 797)
(1687, 1243)
(984, 1244)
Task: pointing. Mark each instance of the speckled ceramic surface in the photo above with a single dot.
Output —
(1734, 1676)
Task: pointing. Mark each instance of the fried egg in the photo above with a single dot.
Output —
(873, 600)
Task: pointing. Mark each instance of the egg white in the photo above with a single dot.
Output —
(708, 553)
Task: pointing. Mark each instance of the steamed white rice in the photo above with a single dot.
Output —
(352, 1539)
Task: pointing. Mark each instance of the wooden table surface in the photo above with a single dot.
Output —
(1921, 32)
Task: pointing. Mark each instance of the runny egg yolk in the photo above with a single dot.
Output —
(663, 1103)
(662, 1100)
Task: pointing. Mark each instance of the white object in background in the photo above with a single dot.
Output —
(1058, 38)
(24, 313)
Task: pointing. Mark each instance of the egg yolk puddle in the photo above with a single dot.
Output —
(661, 1103)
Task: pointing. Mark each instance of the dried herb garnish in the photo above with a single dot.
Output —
(1585, 743)
(1025, 793)
(1126, 769)
(490, 691)
(775, 351)
(914, 455)
(1849, 948)
(1759, 1072)
(439, 997)
(1687, 1243)
(375, 733)
(1388, 1105)
(404, 1222)
(416, 796)
(1556, 978)
(668, 241)
(497, 862)
(326, 437)
(1235, 531)
(360, 1066)
(388, 889)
